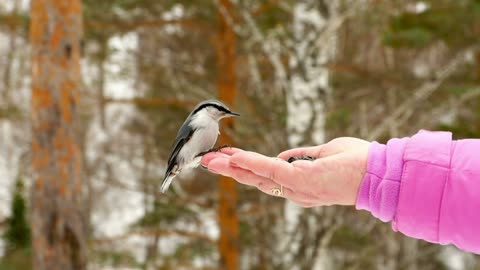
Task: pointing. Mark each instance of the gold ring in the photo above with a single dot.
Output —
(277, 191)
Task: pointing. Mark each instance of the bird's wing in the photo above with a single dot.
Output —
(183, 136)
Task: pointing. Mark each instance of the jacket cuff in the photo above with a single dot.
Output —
(426, 171)
(379, 190)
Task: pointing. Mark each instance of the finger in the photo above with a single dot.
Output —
(313, 151)
(230, 150)
(224, 152)
(274, 169)
(304, 204)
(223, 166)
(212, 155)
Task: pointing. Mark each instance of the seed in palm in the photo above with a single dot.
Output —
(293, 159)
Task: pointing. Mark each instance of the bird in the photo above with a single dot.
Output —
(196, 137)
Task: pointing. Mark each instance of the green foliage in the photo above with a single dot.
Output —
(20, 259)
(20, 20)
(453, 22)
(17, 235)
(165, 213)
(340, 117)
(10, 112)
(247, 233)
(116, 259)
(414, 38)
(462, 129)
(466, 123)
(476, 6)
(192, 249)
(109, 18)
(275, 16)
(346, 238)
(460, 89)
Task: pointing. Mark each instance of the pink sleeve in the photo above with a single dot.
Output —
(428, 186)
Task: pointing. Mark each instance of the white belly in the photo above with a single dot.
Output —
(202, 140)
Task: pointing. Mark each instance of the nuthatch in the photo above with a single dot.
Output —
(196, 137)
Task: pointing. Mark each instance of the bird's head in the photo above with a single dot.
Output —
(214, 109)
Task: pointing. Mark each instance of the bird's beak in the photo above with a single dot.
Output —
(234, 114)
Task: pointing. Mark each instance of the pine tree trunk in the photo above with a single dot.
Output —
(57, 222)
(227, 215)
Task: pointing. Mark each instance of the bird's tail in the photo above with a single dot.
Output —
(166, 182)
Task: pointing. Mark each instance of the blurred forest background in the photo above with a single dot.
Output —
(93, 92)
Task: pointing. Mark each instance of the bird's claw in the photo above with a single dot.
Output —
(214, 149)
(201, 154)
(218, 148)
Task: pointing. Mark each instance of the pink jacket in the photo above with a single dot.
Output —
(428, 186)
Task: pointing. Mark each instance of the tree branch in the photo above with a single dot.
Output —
(420, 94)
(444, 108)
(271, 50)
(156, 231)
(126, 26)
(159, 102)
(14, 20)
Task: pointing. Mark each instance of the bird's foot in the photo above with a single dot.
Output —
(292, 159)
(218, 148)
(201, 154)
(214, 149)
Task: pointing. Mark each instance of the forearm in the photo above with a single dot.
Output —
(427, 185)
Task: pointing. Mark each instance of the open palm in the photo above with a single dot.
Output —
(333, 178)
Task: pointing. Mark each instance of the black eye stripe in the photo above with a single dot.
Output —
(218, 107)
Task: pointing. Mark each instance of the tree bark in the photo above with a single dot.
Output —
(57, 222)
(226, 64)
(306, 106)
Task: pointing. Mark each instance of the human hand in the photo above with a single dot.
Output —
(333, 178)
